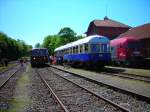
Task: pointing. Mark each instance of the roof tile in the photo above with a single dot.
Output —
(140, 32)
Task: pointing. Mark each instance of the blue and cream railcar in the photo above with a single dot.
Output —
(92, 50)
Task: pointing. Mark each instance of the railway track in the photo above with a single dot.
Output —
(145, 98)
(117, 72)
(74, 97)
(121, 97)
(6, 77)
(7, 86)
(6, 70)
(129, 76)
(61, 107)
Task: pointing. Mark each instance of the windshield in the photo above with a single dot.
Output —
(134, 45)
(39, 52)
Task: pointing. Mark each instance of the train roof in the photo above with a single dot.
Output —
(38, 48)
(33, 49)
(89, 39)
(122, 40)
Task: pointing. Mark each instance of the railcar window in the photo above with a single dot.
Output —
(81, 48)
(102, 48)
(78, 49)
(86, 47)
(74, 50)
(63, 52)
(69, 50)
(95, 48)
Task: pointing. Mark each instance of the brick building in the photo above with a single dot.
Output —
(107, 27)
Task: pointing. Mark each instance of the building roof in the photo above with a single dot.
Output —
(109, 23)
(89, 39)
(139, 32)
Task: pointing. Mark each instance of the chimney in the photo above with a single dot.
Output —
(105, 18)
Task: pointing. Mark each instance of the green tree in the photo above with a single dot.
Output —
(67, 35)
(79, 37)
(12, 49)
(51, 42)
(37, 45)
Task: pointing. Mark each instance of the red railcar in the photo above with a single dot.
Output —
(126, 50)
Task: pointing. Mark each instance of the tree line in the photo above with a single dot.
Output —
(64, 36)
(12, 49)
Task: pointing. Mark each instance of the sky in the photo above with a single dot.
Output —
(32, 20)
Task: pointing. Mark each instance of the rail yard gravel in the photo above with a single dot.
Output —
(6, 92)
(6, 75)
(74, 98)
(128, 101)
(41, 100)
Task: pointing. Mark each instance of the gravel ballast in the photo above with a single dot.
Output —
(118, 97)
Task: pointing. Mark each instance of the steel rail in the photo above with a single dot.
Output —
(141, 97)
(53, 93)
(129, 76)
(7, 70)
(94, 94)
(5, 82)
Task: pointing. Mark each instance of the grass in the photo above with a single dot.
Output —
(21, 99)
(3, 68)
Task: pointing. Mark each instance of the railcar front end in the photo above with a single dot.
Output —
(39, 56)
(126, 51)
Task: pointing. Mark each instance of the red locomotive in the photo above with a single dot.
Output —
(126, 51)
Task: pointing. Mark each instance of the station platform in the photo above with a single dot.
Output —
(134, 86)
